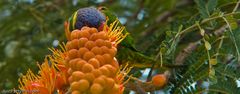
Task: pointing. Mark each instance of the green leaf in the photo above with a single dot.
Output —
(232, 22)
(168, 33)
(213, 61)
(212, 76)
(207, 45)
(202, 8)
(212, 72)
(202, 32)
(211, 5)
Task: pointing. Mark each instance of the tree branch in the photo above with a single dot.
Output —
(180, 59)
(147, 87)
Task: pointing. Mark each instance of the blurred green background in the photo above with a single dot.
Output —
(29, 27)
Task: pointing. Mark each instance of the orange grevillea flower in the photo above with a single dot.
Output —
(86, 64)
(42, 83)
(52, 75)
(93, 67)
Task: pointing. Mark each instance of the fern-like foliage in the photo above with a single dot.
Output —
(225, 85)
(186, 80)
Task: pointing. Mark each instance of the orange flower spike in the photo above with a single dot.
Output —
(44, 82)
(58, 58)
(94, 59)
(48, 75)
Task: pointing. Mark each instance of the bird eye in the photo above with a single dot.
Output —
(102, 8)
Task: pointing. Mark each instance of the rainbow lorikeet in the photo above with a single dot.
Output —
(93, 17)
(97, 18)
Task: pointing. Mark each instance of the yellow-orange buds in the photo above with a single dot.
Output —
(92, 67)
